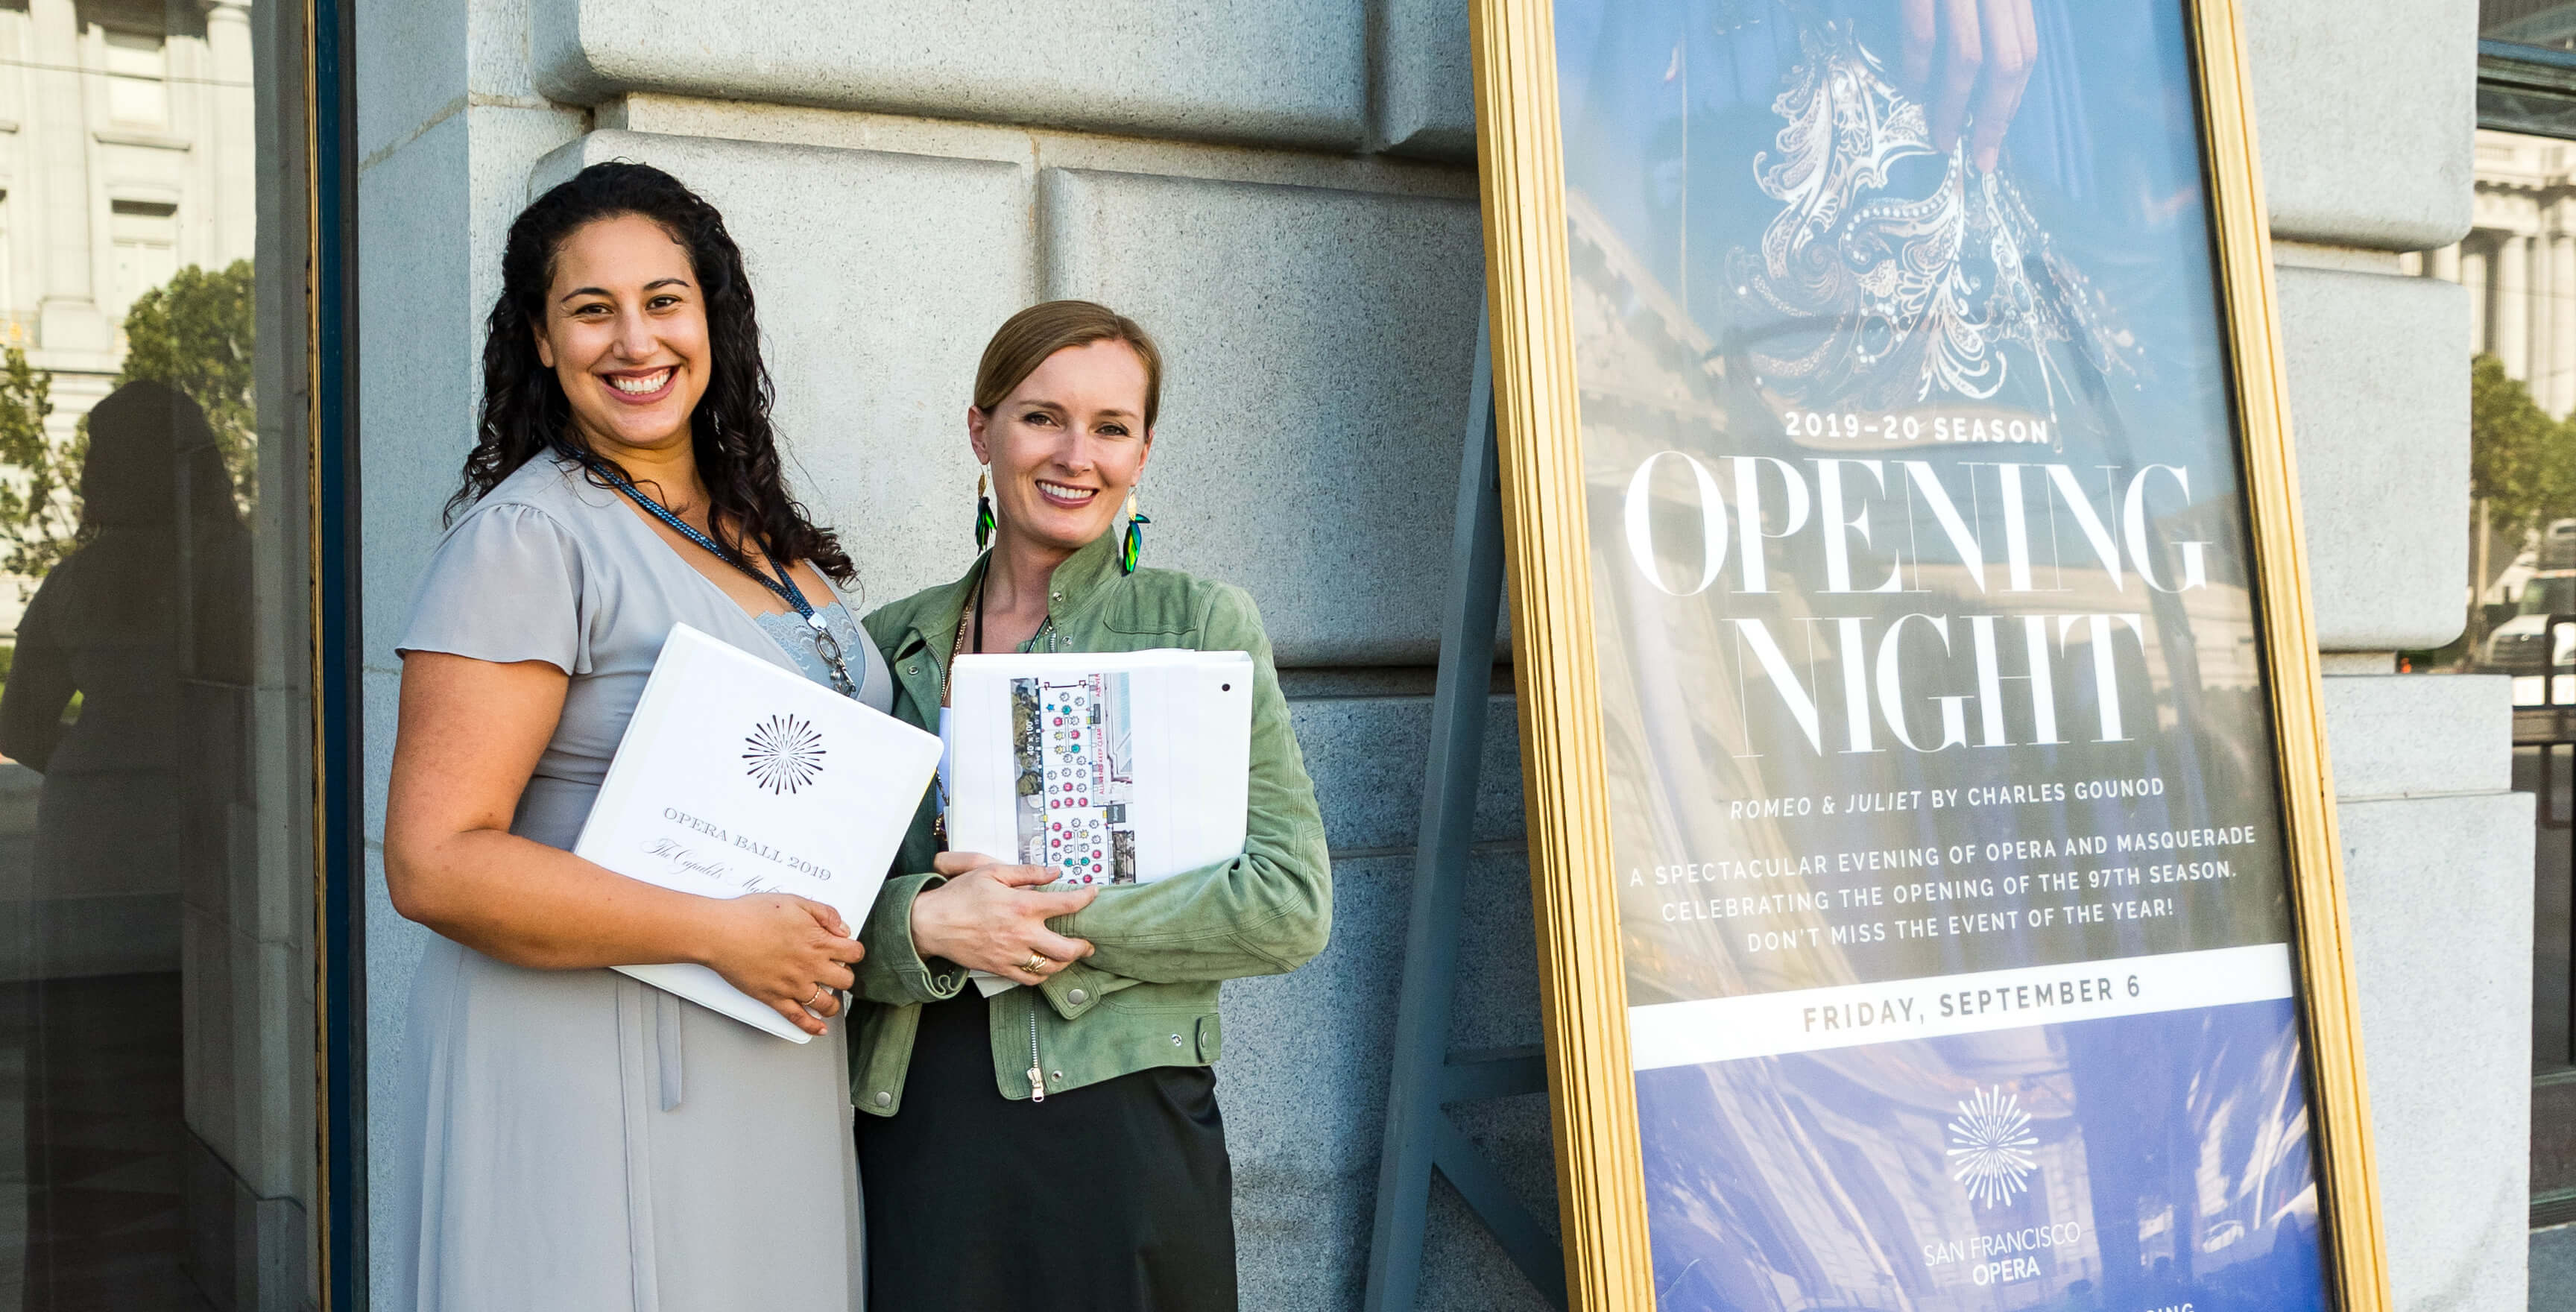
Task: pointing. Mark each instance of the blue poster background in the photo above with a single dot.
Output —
(1807, 332)
(2171, 1151)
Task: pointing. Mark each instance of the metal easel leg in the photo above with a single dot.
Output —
(1419, 1134)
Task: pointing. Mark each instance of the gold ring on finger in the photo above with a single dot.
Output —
(1037, 963)
(818, 996)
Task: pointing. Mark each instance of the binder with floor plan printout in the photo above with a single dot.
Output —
(1109, 768)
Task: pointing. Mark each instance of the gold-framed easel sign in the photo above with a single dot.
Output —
(1931, 835)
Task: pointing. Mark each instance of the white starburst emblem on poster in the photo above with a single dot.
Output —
(783, 754)
(1990, 1145)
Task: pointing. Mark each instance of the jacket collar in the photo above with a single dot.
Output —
(1082, 578)
(1077, 583)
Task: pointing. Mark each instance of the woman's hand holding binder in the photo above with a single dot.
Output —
(992, 917)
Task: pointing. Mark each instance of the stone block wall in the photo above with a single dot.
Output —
(1285, 192)
(2422, 764)
(2437, 861)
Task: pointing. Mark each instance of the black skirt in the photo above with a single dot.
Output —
(1116, 1197)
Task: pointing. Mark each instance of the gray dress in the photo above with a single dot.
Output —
(572, 1140)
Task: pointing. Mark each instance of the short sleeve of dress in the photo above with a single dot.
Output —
(505, 585)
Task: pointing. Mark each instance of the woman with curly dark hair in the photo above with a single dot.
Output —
(573, 1139)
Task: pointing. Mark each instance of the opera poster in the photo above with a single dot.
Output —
(1953, 891)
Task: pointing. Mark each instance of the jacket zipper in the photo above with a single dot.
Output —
(1037, 1074)
(1037, 1065)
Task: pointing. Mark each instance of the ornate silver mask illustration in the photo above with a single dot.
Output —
(1916, 297)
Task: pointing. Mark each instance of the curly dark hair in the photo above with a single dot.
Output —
(525, 412)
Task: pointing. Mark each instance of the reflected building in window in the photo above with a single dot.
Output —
(127, 147)
(2519, 263)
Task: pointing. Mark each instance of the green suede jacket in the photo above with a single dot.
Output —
(1148, 994)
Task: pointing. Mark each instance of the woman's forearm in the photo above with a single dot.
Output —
(528, 904)
(470, 737)
(1259, 914)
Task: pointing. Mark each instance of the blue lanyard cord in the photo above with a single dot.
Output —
(784, 587)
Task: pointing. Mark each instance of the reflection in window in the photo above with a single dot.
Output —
(14, 323)
(2519, 266)
(138, 78)
(156, 915)
(2523, 66)
(146, 238)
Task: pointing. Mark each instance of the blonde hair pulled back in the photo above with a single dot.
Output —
(1025, 341)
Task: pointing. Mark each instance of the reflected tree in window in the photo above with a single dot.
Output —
(40, 509)
(2522, 477)
(194, 334)
(2520, 460)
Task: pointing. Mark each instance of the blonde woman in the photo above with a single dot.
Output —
(1061, 1143)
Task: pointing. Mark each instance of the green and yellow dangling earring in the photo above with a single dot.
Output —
(983, 509)
(1132, 544)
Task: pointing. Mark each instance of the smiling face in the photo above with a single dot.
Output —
(1066, 445)
(625, 330)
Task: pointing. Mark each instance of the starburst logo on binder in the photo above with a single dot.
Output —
(783, 754)
(1990, 1143)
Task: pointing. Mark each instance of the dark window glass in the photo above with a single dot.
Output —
(156, 917)
(2528, 22)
